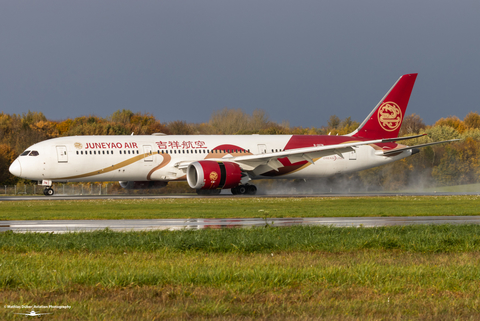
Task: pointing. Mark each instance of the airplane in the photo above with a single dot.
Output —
(210, 163)
(33, 314)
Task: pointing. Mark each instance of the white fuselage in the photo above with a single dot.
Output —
(157, 158)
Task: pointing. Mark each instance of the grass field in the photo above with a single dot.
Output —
(313, 272)
(231, 207)
(272, 273)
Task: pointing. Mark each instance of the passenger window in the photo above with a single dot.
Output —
(90, 152)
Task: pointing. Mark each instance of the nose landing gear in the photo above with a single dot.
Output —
(48, 191)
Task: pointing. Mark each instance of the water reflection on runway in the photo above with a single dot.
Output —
(63, 226)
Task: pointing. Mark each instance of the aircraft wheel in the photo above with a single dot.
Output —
(234, 191)
(48, 191)
(251, 190)
(241, 189)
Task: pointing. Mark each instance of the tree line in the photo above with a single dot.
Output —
(447, 164)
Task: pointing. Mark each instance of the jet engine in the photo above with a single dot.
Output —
(142, 184)
(212, 175)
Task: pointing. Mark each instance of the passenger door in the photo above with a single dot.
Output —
(62, 156)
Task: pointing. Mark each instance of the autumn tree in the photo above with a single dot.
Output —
(180, 127)
(411, 125)
(472, 120)
(235, 121)
(7, 156)
(452, 121)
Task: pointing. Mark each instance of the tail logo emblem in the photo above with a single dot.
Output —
(389, 116)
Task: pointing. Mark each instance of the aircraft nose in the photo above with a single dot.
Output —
(16, 168)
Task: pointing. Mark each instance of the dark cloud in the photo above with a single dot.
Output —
(300, 61)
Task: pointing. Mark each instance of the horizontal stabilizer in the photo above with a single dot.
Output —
(389, 140)
(394, 151)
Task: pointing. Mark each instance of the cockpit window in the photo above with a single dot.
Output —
(25, 153)
(34, 153)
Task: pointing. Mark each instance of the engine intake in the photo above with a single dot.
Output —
(212, 175)
(142, 184)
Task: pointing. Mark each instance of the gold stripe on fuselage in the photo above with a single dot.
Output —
(111, 168)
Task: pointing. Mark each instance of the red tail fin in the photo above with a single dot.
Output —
(386, 118)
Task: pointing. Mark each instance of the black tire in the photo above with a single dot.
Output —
(49, 192)
(241, 189)
(251, 190)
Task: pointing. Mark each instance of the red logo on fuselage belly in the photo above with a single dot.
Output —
(389, 116)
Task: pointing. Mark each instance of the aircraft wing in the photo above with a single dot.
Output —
(257, 162)
(262, 163)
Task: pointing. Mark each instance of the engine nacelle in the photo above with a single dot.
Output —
(209, 174)
(142, 184)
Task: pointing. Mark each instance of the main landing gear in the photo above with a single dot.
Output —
(244, 189)
(48, 191)
(239, 190)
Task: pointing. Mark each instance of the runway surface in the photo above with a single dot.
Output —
(60, 197)
(63, 226)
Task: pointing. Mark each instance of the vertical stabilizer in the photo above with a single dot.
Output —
(386, 118)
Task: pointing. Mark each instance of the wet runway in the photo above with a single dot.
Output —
(59, 197)
(63, 226)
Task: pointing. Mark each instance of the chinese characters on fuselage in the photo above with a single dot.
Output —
(174, 144)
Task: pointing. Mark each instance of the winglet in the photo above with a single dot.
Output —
(386, 118)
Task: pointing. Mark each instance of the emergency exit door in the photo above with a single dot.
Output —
(262, 148)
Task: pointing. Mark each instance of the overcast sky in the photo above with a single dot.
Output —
(300, 61)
